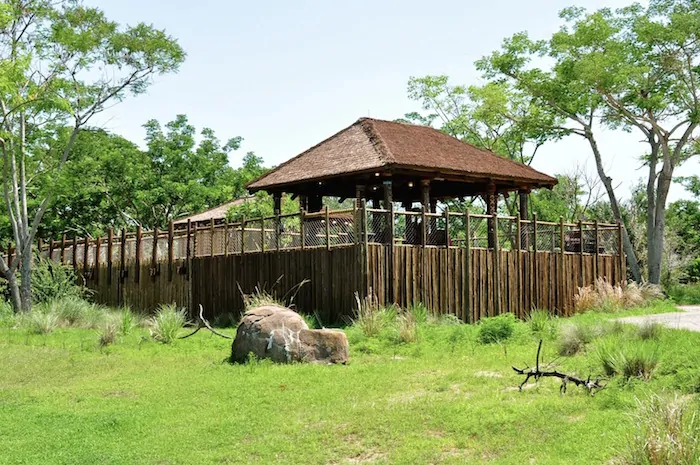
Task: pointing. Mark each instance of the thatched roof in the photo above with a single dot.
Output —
(371, 145)
(218, 213)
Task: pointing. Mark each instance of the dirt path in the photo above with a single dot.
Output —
(687, 318)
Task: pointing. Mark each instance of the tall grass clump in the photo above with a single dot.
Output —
(43, 323)
(419, 312)
(685, 294)
(407, 326)
(650, 330)
(667, 432)
(127, 321)
(369, 315)
(496, 329)
(166, 324)
(541, 323)
(629, 360)
(107, 334)
(574, 337)
(605, 297)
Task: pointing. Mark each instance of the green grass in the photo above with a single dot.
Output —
(685, 294)
(443, 398)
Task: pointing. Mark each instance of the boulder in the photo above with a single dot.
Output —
(281, 335)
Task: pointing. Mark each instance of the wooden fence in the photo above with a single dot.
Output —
(467, 265)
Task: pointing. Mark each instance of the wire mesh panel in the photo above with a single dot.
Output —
(572, 238)
(479, 231)
(507, 233)
(290, 232)
(378, 226)
(314, 231)
(269, 233)
(342, 227)
(252, 240)
(407, 228)
(608, 239)
(456, 229)
(146, 247)
(547, 237)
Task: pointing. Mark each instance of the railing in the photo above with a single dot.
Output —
(328, 229)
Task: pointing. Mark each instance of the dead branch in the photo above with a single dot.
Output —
(536, 373)
(203, 323)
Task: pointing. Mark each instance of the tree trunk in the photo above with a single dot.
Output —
(632, 263)
(25, 289)
(14, 292)
(656, 228)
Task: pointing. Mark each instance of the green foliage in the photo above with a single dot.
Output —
(668, 431)
(574, 337)
(43, 322)
(51, 281)
(685, 294)
(541, 322)
(496, 329)
(260, 205)
(369, 316)
(629, 360)
(650, 330)
(127, 321)
(419, 312)
(107, 334)
(167, 323)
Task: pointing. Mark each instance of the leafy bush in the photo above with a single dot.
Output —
(685, 294)
(667, 432)
(165, 326)
(650, 330)
(496, 329)
(53, 281)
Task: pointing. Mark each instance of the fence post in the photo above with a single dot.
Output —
(74, 253)
(137, 273)
(98, 243)
(621, 254)
(328, 228)
(188, 249)
(278, 230)
(40, 242)
(365, 251)
(597, 251)
(63, 250)
(226, 233)
(194, 240)
(447, 228)
(154, 254)
(561, 288)
(302, 228)
(262, 233)
(423, 231)
(580, 254)
(243, 235)
(171, 251)
(110, 245)
(392, 252)
(51, 242)
(122, 260)
(211, 237)
(496, 266)
(468, 317)
(518, 265)
(534, 261)
(86, 252)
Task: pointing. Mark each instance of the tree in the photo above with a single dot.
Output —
(633, 69)
(61, 63)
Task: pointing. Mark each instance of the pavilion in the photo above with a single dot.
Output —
(385, 162)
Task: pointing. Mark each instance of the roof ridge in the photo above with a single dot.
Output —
(377, 140)
(260, 178)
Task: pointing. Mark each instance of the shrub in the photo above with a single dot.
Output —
(8, 318)
(630, 360)
(310, 320)
(369, 316)
(574, 337)
(650, 330)
(685, 294)
(420, 312)
(496, 329)
(540, 321)
(407, 327)
(667, 432)
(43, 322)
(127, 321)
(604, 297)
(167, 323)
(53, 281)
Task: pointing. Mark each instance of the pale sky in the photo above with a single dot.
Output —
(285, 75)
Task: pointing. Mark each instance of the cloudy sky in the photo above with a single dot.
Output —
(286, 74)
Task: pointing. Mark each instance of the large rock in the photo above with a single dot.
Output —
(281, 335)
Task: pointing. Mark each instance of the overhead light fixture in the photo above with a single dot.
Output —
(320, 183)
(374, 188)
(376, 174)
(410, 183)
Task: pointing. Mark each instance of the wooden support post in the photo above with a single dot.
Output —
(447, 228)
(535, 277)
(74, 254)
(137, 272)
(492, 210)
(423, 227)
(468, 317)
(41, 245)
(171, 249)
(122, 257)
(188, 249)
(596, 273)
(277, 207)
(110, 245)
(51, 246)
(226, 234)
(98, 243)
(392, 254)
(561, 287)
(154, 254)
(86, 252)
(580, 253)
(621, 255)
(365, 250)
(328, 228)
(195, 227)
(262, 233)
(243, 221)
(302, 228)
(211, 237)
(63, 249)
(518, 266)
(496, 268)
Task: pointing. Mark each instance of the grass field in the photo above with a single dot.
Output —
(445, 398)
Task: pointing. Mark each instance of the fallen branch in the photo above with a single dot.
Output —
(536, 373)
(203, 323)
